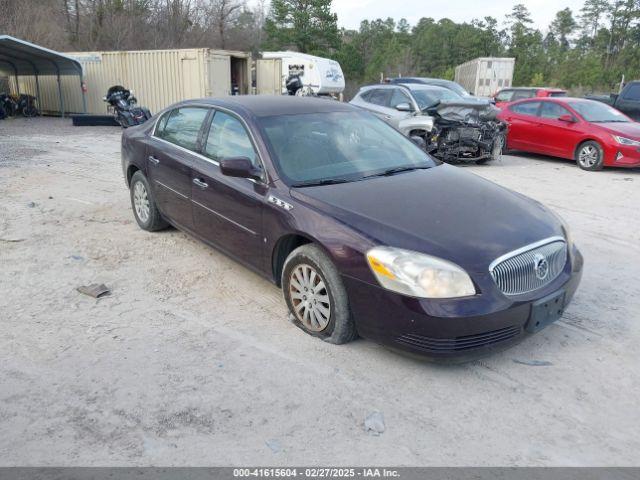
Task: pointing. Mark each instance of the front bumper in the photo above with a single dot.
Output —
(626, 156)
(452, 328)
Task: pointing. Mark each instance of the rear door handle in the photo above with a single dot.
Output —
(200, 183)
(154, 160)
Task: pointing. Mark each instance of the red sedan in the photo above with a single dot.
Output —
(513, 94)
(593, 134)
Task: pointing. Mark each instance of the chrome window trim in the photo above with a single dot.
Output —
(524, 249)
(199, 155)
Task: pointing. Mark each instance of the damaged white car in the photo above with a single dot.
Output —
(449, 127)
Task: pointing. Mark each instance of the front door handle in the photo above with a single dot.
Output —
(154, 160)
(200, 183)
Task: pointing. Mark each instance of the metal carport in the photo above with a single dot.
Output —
(21, 58)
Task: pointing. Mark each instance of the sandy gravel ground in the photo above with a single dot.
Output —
(191, 360)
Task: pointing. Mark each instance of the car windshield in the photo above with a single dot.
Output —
(427, 97)
(597, 112)
(456, 88)
(336, 147)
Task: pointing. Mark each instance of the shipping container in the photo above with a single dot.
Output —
(486, 75)
(158, 78)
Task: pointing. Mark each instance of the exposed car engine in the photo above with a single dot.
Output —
(465, 131)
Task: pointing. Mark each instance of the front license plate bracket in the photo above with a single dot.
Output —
(545, 311)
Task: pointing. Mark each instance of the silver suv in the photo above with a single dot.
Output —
(403, 106)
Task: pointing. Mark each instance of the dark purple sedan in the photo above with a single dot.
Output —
(365, 233)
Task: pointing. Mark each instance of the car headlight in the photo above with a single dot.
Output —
(418, 275)
(626, 141)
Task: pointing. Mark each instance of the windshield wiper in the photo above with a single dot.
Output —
(393, 171)
(326, 181)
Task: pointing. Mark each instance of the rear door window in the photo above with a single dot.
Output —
(526, 108)
(521, 94)
(553, 111)
(504, 96)
(182, 126)
(380, 97)
(633, 92)
(365, 95)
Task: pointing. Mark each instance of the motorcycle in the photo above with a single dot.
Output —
(8, 107)
(296, 87)
(122, 103)
(26, 105)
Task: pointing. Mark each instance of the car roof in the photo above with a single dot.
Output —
(554, 99)
(424, 79)
(423, 86)
(408, 86)
(560, 100)
(272, 105)
(551, 89)
(381, 85)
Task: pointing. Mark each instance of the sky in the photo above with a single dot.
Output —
(352, 12)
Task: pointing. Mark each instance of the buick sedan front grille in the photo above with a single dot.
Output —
(531, 267)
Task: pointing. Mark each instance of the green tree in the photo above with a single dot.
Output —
(525, 45)
(592, 15)
(562, 26)
(306, 25)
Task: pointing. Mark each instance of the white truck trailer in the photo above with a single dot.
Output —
(484, 76)
(320, 76)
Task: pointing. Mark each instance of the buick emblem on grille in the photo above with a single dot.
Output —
(540, 266)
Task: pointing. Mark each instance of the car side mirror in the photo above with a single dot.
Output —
(419, 141)
(240, 167)
(567, 118)
(404, 107)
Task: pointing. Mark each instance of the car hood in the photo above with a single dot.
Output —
(465, 110)
(628, 129)
(442, 211)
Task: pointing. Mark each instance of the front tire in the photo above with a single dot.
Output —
(143, 204)
(590, 156)
(316, 297)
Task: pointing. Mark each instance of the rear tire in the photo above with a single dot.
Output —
(316, 297)
(29, 112)
(143, 204)
(590, 156)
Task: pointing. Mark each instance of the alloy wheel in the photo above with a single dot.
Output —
(309, 297)
(588, 156)
(141, 202)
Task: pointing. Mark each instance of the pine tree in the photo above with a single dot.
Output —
(306, 25)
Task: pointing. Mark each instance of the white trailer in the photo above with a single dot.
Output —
(322, 76)
(484, 76)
